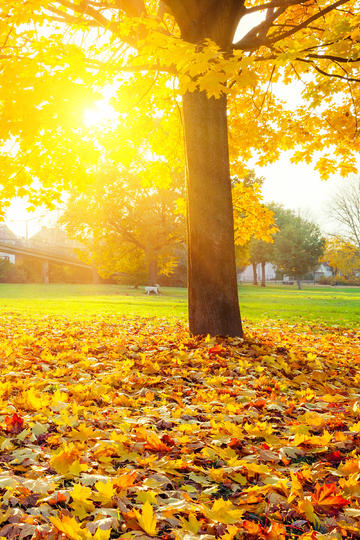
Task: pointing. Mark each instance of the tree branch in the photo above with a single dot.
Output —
(274, 4)
(85, 9)
(63, 17)
(322, 72)
(257, 35)
(333, 58)
(304, 24)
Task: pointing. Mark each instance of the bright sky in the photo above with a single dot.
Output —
(299, 187)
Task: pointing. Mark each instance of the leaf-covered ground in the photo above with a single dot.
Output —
(132, 429)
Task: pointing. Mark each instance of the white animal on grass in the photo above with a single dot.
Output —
(152, 290)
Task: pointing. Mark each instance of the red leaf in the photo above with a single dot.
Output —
(216, 349)
(14, 424)
(166, 439)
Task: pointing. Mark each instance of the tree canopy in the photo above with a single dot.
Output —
(48, 75)
(342, 256)
(128, 227)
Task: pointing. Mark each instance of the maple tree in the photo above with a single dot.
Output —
(128, 227)
(316, 42)
(126, 222)
(252, 218)
(253, 221)
(342, 256)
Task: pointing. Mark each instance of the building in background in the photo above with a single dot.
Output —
(7, 236)
(248, 275)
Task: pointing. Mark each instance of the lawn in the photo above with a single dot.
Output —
(326, 305)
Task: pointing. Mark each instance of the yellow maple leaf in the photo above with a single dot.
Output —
(82, 433)
(105, 493)
(224, 512)
(73, 530)
(261, 429)
(232, 530)
(33, 400)
(70, 527)
(81, 503)
(355, 34)
(315, 440)
(101, 534)
(351, 466)
(76, 468)
(296, 489)
(305, 507)
(355, 427)
(62, 460)
(147, 519)
(146, 496)
(351, 485)
(216, 474)
(239, 478)
(191, 525)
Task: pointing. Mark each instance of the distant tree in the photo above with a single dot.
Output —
(11, 273)
(260, 252)
(345, 209)
(298, 245)
(342, 256)
(127, 228)
(242, 256)
(253, 221)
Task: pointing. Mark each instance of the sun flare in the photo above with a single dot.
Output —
(102, 113)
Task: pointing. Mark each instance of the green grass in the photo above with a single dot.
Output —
(329, 305)
(326, 305)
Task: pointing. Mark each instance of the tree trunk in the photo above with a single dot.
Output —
(212, 284)
(298, 284)
(263, 277)
(153, 270)
(45, 274)
(95, 275)
(254, 273)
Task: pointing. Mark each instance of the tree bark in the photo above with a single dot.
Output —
(263, 277)
(45, 274)
(212, 284)
(95, 275)
(254, 273)
(298, 284)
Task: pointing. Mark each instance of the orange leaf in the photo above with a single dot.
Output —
(253, 528)
(57, 499)
(326, 496)
(153, 442)
(216, 349)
